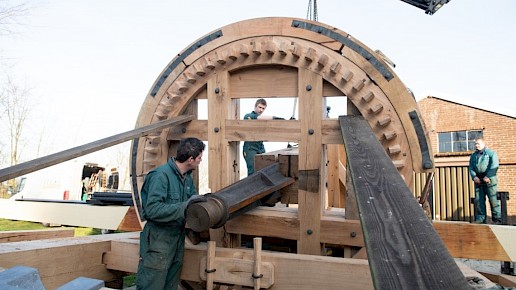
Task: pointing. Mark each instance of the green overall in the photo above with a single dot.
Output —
(481, 164)
(164, 197)
(251, 148)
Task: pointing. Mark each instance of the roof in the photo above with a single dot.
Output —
(487, 107)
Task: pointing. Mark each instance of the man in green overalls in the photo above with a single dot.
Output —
(166, 192)
(483, 165)
(251, 148)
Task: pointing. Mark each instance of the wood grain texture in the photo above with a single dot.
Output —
(403, 248)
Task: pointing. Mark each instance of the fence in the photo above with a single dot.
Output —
(450, 197)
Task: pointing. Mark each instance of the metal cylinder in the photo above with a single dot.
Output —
(236, 199)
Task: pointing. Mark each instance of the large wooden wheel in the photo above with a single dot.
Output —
(278, 57)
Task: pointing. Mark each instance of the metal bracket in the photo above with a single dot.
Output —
(423, 145)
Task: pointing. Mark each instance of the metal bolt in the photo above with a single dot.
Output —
(217, 90)
(311, 131)
(309, 88)
(216, 129)
(309, 231)
(353, 234)
(183, 130)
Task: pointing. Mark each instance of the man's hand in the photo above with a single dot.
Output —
(487, 180)
(196, 198)
(476, 180)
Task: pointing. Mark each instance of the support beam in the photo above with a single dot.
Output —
(403, 249)
(18, 236)
(311, 183)
(53, 159)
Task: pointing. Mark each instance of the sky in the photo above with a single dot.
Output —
(90, 63)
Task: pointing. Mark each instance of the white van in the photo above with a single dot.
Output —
(69, 180)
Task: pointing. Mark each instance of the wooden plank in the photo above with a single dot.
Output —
(53, 159)
(463, 240)
(333, 176)
(284, 223)
(291, 271)
(59, 261)
(311, 184)
(270, 82)
(258, 130)
(482, 242)
(400, 241)
(29, 235)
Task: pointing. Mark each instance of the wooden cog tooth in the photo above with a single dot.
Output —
(161, 114)
(335, 67)
(389, 135)
(220, 56)
(270, 47)
(189, 77)
(376, 109)
(399, 164)
(311, 54)
(207, 63)
(152, 150)
(283, 50)
(232, 54)
(347, 75)
(395, 149)
(182, 86)
(384, 122)
(358, 85)
(297, 50)
(243, 50)
(256, 48)
(323, 60)
(199, 70)
(368, 97)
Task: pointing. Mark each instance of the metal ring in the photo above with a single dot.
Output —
(257, 276)
(210, 271)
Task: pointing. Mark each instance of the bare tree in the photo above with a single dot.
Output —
(10, 16)
(15, 108)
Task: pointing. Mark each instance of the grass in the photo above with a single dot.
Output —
(10, 225)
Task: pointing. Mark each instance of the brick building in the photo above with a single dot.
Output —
(452, 129)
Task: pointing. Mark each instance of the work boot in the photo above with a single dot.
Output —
(497, 222)
(479, 222)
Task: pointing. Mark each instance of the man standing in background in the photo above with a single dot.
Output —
(483, 165)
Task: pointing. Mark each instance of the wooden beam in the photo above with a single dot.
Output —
(463, 240)
(61, 260)
(53, 159)
(284, 223)
(311, 183)
(29, 235)
(482, 242)
(400, 241)
(291, 271)
(270, 82)
(257, 130)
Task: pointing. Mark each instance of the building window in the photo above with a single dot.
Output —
(458, 141)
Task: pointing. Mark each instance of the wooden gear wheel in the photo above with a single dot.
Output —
(278, 58)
